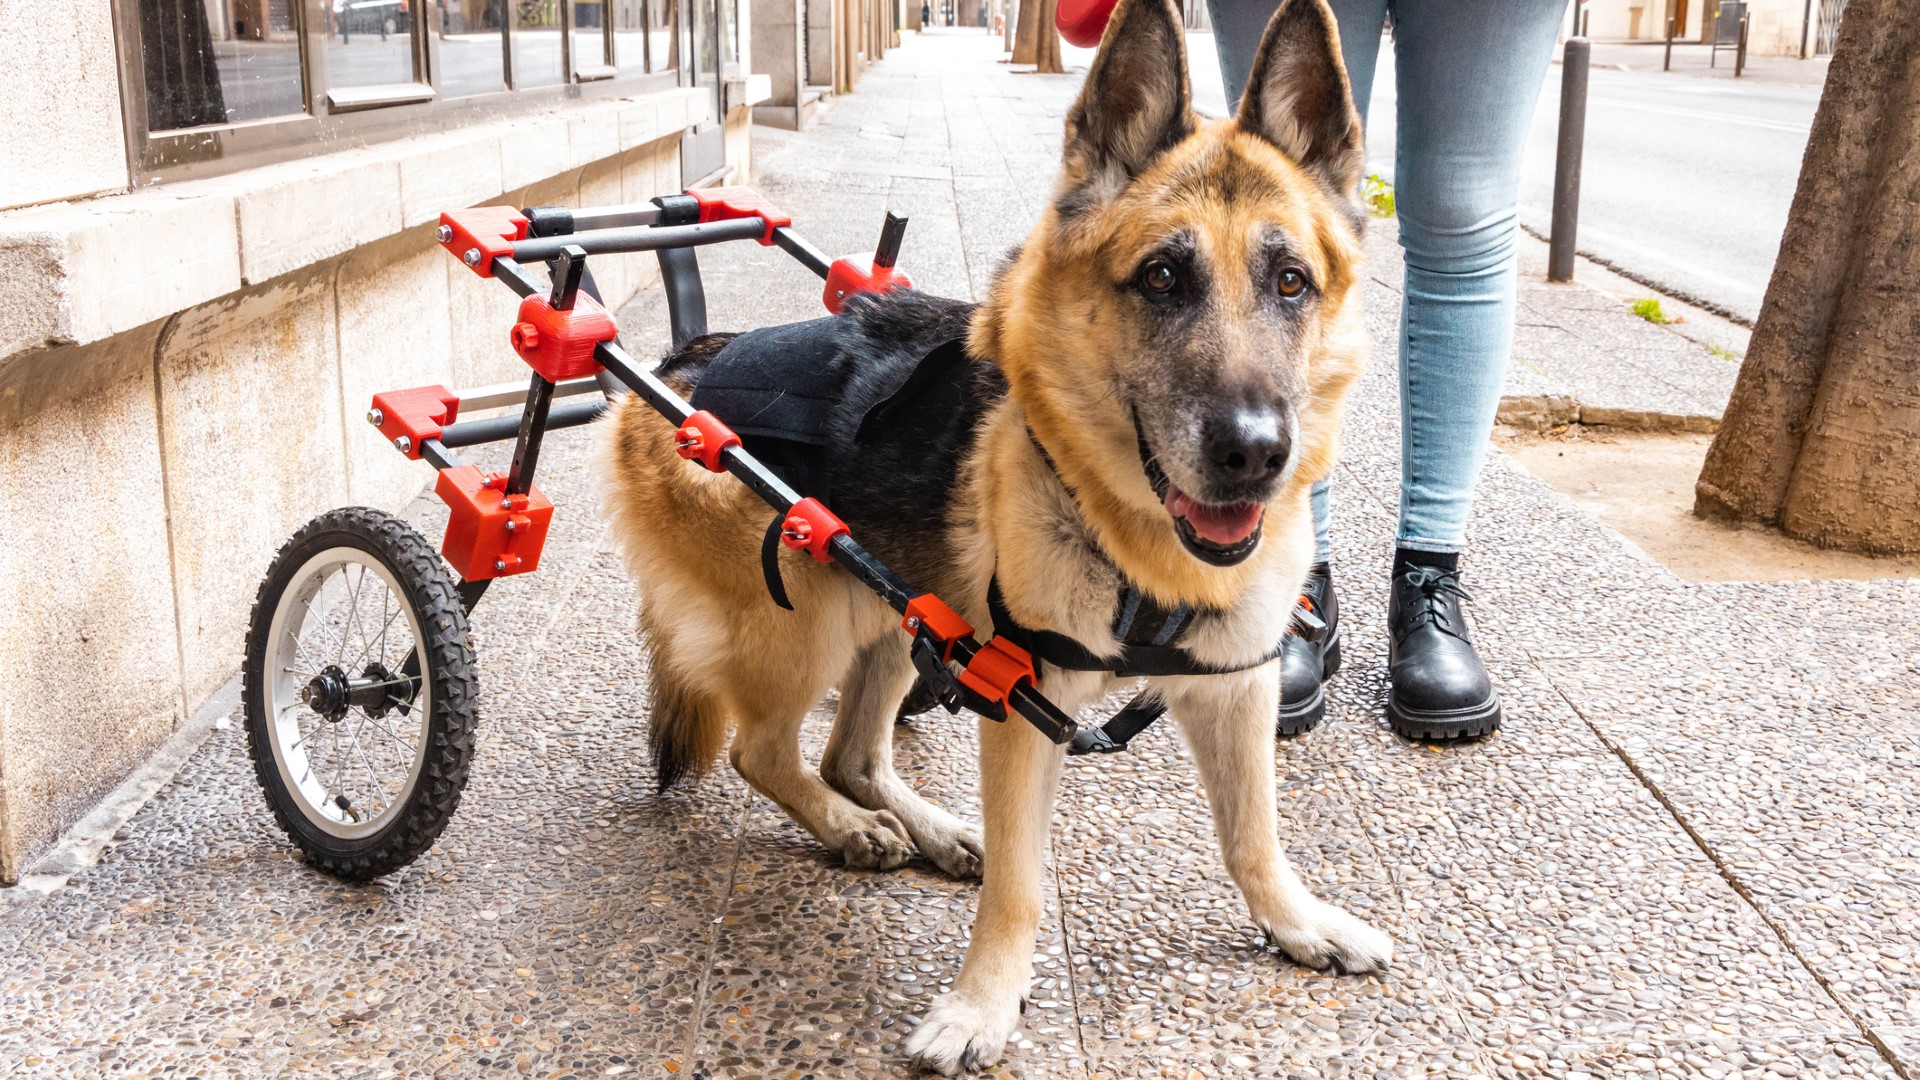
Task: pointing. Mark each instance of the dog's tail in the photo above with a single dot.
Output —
(686, 726)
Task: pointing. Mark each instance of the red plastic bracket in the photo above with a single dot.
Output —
(930, 613)
(856, 274)
(559, 344)
(703, 438)
(997, 670)
(415, 415)
(478, 235)
(490, 533)
(732, 203)
(811, 527)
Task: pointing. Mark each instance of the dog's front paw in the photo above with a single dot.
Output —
(959, 1035)
(878, 843)
(957, 851)
(1327, 938)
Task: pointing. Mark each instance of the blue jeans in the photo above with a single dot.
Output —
(1469, 74)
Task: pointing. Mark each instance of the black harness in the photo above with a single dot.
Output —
(779, 388)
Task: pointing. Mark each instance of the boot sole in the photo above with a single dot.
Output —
(1306, 715)
(1448, 726)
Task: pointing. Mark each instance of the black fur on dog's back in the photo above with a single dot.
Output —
(910, 409)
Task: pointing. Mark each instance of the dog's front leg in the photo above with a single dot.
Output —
(969, 1027)
(1228, 722)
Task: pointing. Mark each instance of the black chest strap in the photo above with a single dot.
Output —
(1146, 632)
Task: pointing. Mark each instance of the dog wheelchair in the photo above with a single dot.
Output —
(360, 690)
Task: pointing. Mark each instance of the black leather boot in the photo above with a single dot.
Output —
(1439, 689)
(1304, 664)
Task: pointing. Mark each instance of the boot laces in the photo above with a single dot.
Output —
(1433, 583)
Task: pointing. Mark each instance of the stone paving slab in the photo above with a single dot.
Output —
(1690, 852)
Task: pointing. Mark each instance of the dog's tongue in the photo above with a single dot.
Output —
(1223, 525)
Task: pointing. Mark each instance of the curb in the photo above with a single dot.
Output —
(1543, 412)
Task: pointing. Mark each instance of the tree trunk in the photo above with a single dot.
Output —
(1822, 435)
(1037, 42)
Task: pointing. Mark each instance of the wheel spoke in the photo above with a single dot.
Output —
(388, 732)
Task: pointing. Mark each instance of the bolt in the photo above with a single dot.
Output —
(403, 444)
(472, 256)
(913, 622)
(444, 233)
(500, 566)
(376, 417)
(511, 527)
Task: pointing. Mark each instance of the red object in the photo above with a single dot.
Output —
(1082, 22)
(997, 670)
(703, 438)
(489, 230)
(416, 415)
(490, 533)
(559, 344)
(936, 618)
(811, 527)
(731, 203)
(856, 274)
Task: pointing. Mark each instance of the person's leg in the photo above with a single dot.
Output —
(1469, 76)
(1238, 26)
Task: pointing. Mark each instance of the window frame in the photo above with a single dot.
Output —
(366, 114)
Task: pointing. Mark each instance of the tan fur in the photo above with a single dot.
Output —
(1059, 323)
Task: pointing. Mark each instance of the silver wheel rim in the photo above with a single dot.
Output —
(343, 618)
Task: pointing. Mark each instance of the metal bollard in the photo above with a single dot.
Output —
(1740, 58)
(1668, 65)
(1566, 162)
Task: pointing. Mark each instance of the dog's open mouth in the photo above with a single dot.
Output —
(1214, 533)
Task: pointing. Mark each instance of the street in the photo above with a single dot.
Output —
(1687, 180)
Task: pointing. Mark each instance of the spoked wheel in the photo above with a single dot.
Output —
(359, 692)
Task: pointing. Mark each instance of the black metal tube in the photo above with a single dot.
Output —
(533, 427)
(1566, 165)
(892, 231)
(615, 217)
(809, 256)
(1740, 57)
(1668, 64)
(640, 238)
(502, 428)
(686, 297)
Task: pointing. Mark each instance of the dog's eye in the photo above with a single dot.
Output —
(1291, 282)
(1159, 276)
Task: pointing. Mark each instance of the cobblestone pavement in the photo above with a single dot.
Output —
(1692, 852)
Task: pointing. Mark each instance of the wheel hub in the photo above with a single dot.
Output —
(327, 693)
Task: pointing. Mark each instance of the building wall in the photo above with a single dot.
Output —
(63, 136)
(1773, 26)
(184, 371)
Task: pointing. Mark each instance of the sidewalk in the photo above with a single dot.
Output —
(1691, 852)
(1697, 61)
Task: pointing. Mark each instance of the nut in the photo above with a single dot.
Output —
(444, 233)
(472, 256)
(376, 417)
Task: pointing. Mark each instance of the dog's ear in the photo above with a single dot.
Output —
(1297, 96)
(1136, 102)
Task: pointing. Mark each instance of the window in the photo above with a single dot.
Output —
(219, 85)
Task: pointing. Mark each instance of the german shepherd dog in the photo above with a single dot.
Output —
(1154, 381)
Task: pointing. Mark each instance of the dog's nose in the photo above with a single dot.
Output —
(1247, 444)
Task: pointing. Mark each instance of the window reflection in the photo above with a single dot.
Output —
(471, 57)
(536, 42)
(369, 42)
(663, 35)
(214, 62)
(589, 35)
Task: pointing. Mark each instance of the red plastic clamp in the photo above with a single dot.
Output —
(997, 670)
(703, 438)
(856, 274)
(930, 613)
(480, 234)
(811, 527)
(731, 203)
(415, 415)
(559, 344)
(490, 533)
